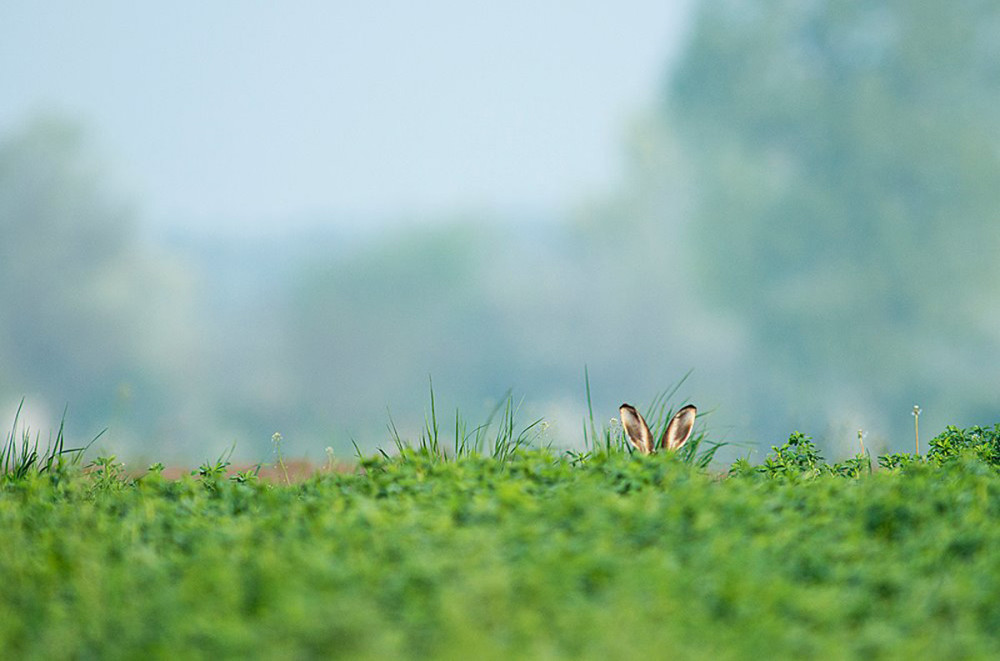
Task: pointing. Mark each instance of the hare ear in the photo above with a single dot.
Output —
(636, 429)
(677, 432)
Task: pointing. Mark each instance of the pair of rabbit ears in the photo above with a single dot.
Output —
(674, 436)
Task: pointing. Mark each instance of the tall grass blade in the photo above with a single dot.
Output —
(20, 456)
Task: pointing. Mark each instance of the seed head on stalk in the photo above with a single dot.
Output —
(916, 427)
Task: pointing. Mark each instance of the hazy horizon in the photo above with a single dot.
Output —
(227, 220)
(251, 117)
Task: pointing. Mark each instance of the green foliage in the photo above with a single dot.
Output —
(212, 474)
(983, 443)
(797, 458)
(800, 458)
(108, 474)
(897, 460)
(855, 466)
(619, 556)
(248, 476)
(954, 445)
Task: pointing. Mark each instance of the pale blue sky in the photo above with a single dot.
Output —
(270, 115)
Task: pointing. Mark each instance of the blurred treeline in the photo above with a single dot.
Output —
(808, 220)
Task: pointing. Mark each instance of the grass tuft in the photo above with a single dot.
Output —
(20, 456)
(499, 437)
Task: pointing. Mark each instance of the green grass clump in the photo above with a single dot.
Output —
(536, 556)
(982, 442)
(20, 455)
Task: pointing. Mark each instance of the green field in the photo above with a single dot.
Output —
(533, 554)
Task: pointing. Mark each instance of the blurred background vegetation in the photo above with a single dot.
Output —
(807, 219)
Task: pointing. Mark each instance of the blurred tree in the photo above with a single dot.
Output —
(368, 329)
(61, 242)
(90, 318)
(847, 161)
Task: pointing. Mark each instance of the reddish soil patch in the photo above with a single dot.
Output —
(298, 470)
